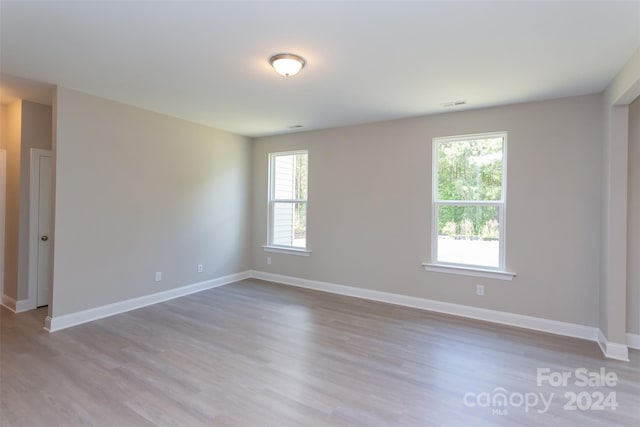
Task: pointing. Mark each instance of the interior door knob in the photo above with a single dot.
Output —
(44, 238)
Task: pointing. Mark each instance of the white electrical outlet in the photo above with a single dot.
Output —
(200, 268)
(480, 290)
(158, 276)
(269, 260)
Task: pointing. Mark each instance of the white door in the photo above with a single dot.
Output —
(45, 245)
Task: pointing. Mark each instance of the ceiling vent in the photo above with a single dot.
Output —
(453, 104)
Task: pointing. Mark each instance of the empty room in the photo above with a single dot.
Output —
(319, 213)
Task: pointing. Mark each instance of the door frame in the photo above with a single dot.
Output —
(34, 209)
(3, 197)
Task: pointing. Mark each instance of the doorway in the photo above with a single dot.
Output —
(40, 228)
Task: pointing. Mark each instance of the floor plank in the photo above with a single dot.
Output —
(259, 354)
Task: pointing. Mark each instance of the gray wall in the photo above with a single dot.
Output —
(138, 192)
(633, 221)
(369, 207)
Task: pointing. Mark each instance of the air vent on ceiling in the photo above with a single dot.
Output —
(453, 104)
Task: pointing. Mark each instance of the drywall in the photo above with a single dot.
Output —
(4, 135)
(12, 213)
(138, 193)
(369, 207)
(633, 221)
(4, 128)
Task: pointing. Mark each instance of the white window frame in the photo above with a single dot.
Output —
(270, 246)
(470, 269)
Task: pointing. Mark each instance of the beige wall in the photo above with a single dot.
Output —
(138, 192)
(12, 214)
(4, 128)
(369, 207)
(633, 221)
(4, 136)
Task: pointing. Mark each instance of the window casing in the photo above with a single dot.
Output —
(288, 182)
(469, 201)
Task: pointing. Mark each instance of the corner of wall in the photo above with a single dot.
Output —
(623, 89)
(12, 213)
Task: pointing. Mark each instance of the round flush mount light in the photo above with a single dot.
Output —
(287, 64)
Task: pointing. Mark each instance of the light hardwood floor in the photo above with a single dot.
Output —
(258, 354)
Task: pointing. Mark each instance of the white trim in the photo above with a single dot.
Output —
(13, 305)
(9, 302)
(3, 195)
(57, 323)
(504, 318)
(21, 305)
(34, 208)
(633, 341)
(289, 251)
(469, 271)
(612, 350)
(471, 136)
(289, 200)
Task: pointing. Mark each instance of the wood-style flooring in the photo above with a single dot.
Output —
(255, 353)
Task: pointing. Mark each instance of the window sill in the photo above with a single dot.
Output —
(289, 251)
(469, 271)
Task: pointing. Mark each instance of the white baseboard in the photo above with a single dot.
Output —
(633, 341)
(609, 349)
(57, 323)
(16, 306)
(534, 323)
(612, 350)
(9, 302)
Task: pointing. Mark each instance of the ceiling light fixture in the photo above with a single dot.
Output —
(287, 64)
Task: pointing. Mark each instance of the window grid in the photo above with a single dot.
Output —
(499, 203)
(287, 213)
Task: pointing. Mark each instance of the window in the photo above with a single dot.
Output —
(288, 200)
(469, 190)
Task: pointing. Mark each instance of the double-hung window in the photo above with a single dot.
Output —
(288, 200)
(469, 201)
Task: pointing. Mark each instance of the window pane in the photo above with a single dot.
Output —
(290, 181)
(470, 169)
(290, 224)
(469, 235)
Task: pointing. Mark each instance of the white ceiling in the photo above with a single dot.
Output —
(366, 61)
